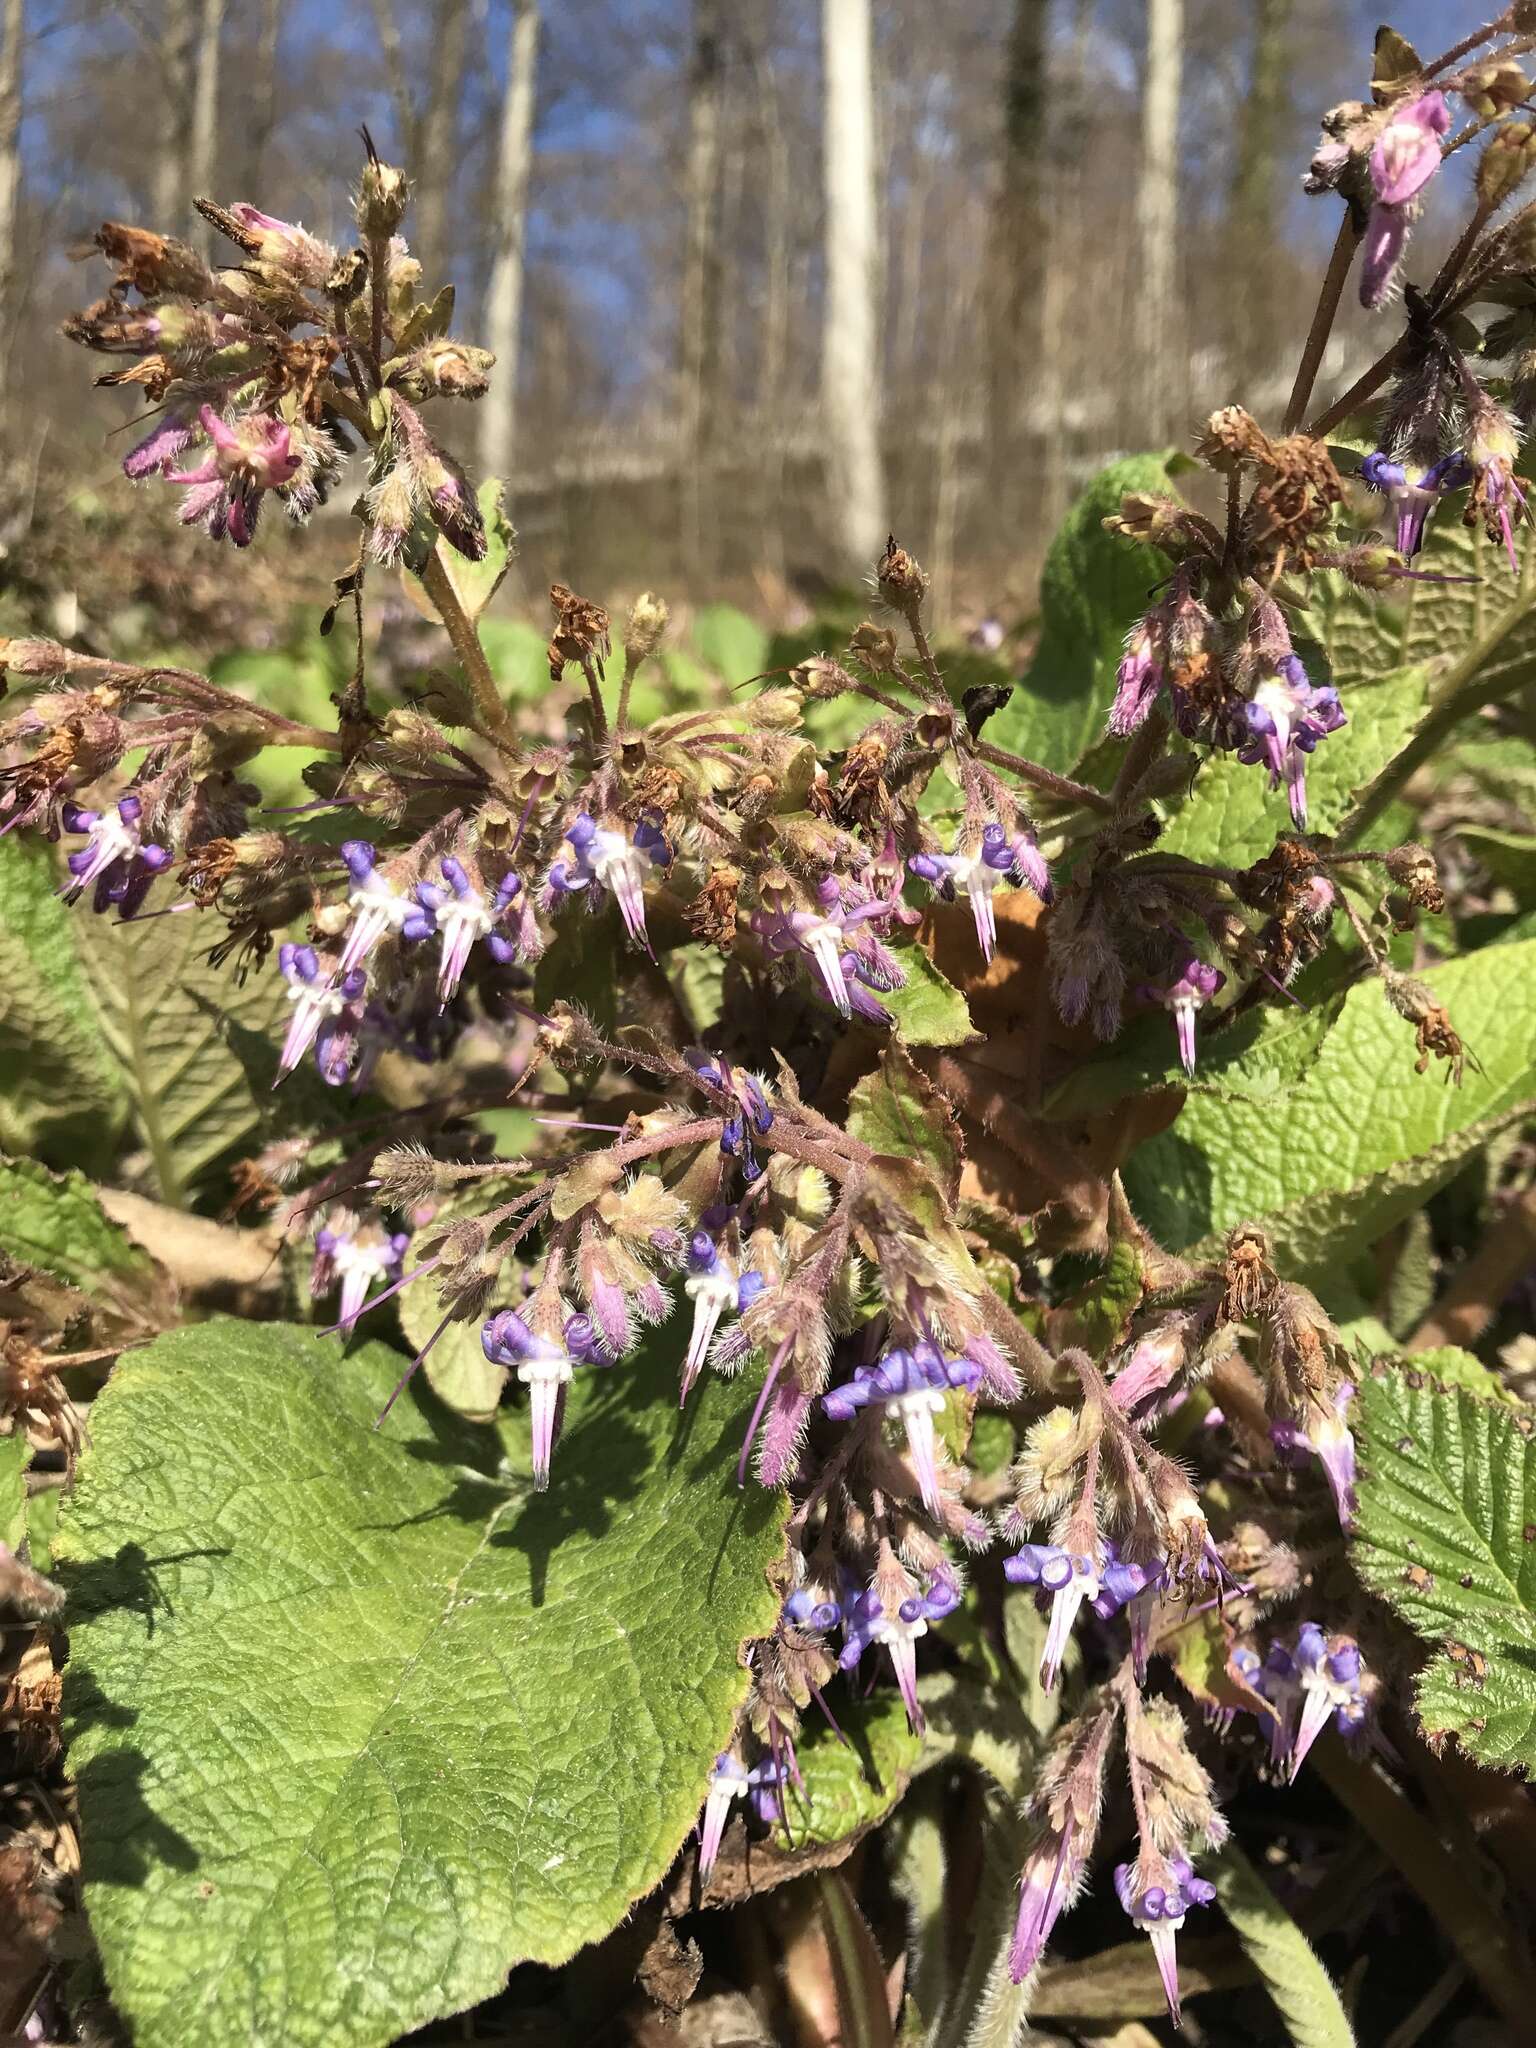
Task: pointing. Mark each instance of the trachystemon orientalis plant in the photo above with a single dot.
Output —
(783, 1189)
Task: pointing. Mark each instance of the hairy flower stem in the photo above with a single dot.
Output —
(1365, 386)
(1042, 778)
(1335, 278)
(599, 709)
(496, 719)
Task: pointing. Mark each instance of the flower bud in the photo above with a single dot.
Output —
(648, 620)
(1510, 153)
(903, 582)
(1490, 89)
(382, 193)
(444, 369)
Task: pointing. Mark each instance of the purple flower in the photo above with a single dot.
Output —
(838, 942)
(1286, 717)
(1141, 674)
(1157, 1892)
(168, 439)
(1316, 1681)
(1327, 1435)
(1412, 504)
(116, 862)
(1132, 1585)
(1070, 1577)
(867, 1623)
(1406, 156)
(245, 458)
(996, 859)
(461, 916)
(728, 1782)
(1492, 446)
(544, 1368)
(1183, 997)
(809, 1608)
(915, 1385)
(355, 1253)
(713, 1286)
(612, 862)
(380, 907)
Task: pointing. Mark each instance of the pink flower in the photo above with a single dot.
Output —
(245, 458)
(1407, 152)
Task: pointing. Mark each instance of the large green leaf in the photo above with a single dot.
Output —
(1375, 1139)
(197, 1051)
(1094, 587)
(358, 1719)
(55, 1221)
(1232, 817)
(60, 1091)
(1447, 1534)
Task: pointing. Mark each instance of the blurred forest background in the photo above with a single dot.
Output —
(775, 275)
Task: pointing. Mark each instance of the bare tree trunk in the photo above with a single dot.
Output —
(504, 299)
(1256, 190)
(437, 135)
(701, 275)
(205, 112)
(850, 361)
(262, 94)
(399, 85)
(171, 201)
(12, 32)
(773, 362)
(1015, 314)
(1163, 366)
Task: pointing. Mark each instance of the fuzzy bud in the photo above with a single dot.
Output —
(444, 369)
(382, 193)
(903, 582)
(1497, 88)
(1510, 153)
(648, 620)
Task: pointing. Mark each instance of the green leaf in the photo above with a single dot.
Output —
(188, 1040)
(1454, 1367)
(897, 1109)
(60, 1091)
(456, 1368)
(1303, 1991)
(1232, 817)
(476, 583)
(851, 1785)
(15, 1457)
(54, 1220)
(1094, 587)
(732, 644)
(1376, 1139)
(929, 1010)
(358, 1720)
(1447, 1535)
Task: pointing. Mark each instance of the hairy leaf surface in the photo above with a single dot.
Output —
(1447, 1534)
(60, 1090)
(1375, 1138)
(197, 1050)
(361, 1701)
(1094, 587)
